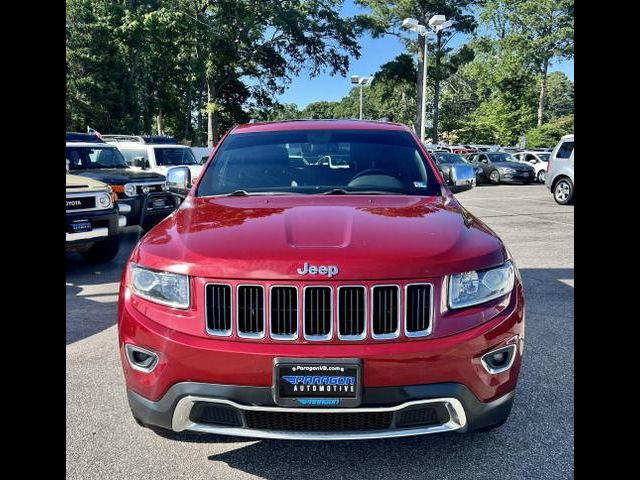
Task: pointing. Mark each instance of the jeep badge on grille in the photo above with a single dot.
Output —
(328, 270)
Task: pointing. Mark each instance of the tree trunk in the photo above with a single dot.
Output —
(212, 115)
(418, 122)
(436, 91)
(543, 93)
(160, 123)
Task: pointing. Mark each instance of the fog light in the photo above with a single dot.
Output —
(141, 359)
(499, 360)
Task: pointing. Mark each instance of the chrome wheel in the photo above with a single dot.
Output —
(494, 176)
(563, 192)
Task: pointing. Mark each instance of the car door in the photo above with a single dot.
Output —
(485, 164)
(563, 161)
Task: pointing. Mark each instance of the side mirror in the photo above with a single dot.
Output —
(140, 162)
(179, 180)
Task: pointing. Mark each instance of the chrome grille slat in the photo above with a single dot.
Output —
(385, 322)
(318, 312)
(284, 312)
(218, 309)
(418, 309)
(250, 312)
(352, 312)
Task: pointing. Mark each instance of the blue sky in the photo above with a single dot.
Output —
(374, 53)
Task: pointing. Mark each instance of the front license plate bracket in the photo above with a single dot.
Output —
(317, 383)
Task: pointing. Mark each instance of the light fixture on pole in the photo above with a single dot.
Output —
(362, 82)
(436, 23)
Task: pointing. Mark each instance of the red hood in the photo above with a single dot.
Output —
(368, 238)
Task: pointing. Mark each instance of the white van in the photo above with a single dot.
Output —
(155, 153)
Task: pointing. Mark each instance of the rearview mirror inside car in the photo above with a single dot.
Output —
(141, 162)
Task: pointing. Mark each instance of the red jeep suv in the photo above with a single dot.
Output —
(319, 281)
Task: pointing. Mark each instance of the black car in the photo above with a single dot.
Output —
(499, 167)
(142, 196)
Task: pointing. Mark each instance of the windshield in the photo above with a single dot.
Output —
(319, 161)
(500, 157)
(175, 156)
(95, 157)
(449, 158)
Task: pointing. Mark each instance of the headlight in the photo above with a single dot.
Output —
(472, 288)
(166, 288)
(104, 200)
(130, 190)
(508, 170)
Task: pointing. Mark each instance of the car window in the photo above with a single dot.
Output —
(174, 156)
(319, 161)
(94, 157)
(129, 155)
(449, 158)
(565, 150)
(530, 157)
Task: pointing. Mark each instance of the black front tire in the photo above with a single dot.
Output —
(102, 251)
(494, 177)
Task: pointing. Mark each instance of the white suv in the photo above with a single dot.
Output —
(538, 160)
(559, 177)
(155, 153)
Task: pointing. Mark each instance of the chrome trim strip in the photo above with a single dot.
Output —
(317, 338)
(218, 333)
(122, 221)
(181, 421)
(264, 312)
(494, 371)
(363, 335)
(95, 233)
(392, 335)
(129, 349)
(419, 333)
(275, 336)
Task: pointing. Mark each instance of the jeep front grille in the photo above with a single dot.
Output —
(303, 312)
(352, 305)
(218, 304)
(250, 307)
(384, 311)
(284, 312)
(318, 317)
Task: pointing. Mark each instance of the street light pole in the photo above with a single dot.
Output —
(436, 23)
(361, 82)
(423, 114)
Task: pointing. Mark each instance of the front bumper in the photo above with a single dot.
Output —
(517, 177)
(246, 412)
(105, 223)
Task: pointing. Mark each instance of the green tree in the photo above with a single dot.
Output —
(550, 133)
(386, 19)
(540, 30)
(559, 96)
(319, 110)
(267, 42)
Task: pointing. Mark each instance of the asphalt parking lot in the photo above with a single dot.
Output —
(103, 441)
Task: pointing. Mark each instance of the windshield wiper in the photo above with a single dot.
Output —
(342, 191)
(237, 193)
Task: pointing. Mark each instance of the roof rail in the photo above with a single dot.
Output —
(146, 139)
(83, 137)
(123, 138)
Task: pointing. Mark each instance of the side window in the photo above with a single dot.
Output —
(565, 150)
(484, 159)
(129, 155)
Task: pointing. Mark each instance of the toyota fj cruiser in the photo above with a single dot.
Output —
(289, 299)
(142, 196)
